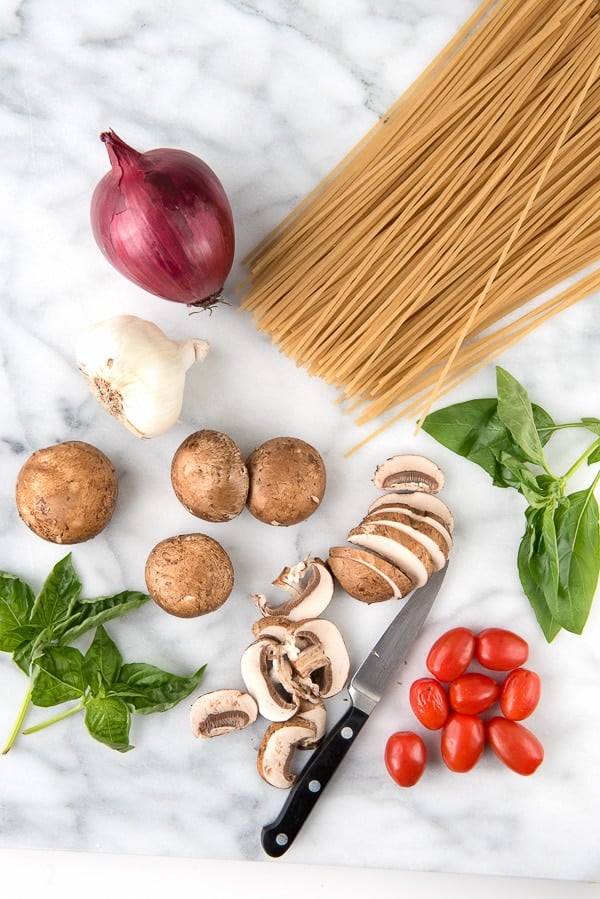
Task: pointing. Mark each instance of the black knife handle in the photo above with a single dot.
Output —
(278, 836)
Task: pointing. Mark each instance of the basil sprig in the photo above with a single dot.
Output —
(38, 631)
(559, 553)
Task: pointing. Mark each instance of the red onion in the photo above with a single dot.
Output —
(163, 220)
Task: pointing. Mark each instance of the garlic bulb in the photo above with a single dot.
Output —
(136, 372)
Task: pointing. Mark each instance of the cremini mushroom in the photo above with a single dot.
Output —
(409, 472)
(259, 665)
(222, 712)
(276, 753)
(419, 502)
(209, 476)
(417, 527)
(322, 655)
(316, 713)
(366, 576)
(310, 585)
(287, 481)
(189, 575)
(399, 547)
(66, 493)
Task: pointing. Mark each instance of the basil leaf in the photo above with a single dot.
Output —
(518, 475)
(592, 424)
(56, 599)
(16, 602)
(474, 430)
(594, 457)
(578, 536)
(108, 721)
(148, 689)
(529, 574)
(90, 613)
(102, 662)
(59, 676)
(516, 411)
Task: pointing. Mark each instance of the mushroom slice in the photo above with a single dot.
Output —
(276, 751)
(366, 576)
(316, 713)
(274, 703)
(323, 655)
(409, 472)
(419, 502)
(398, 547)
(417, 518)
(310, 585)
(275, 626)
(222, 712)
(418, 528)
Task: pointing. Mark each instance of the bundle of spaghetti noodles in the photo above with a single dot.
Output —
(409, 266)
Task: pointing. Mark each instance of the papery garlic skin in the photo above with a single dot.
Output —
(136, 372)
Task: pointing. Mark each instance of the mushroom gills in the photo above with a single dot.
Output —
(310, 585)
(222, 712)
(322, 651)
(257, 671)
(276, 753)
(367, 576)
(409, 472)
(398, 547)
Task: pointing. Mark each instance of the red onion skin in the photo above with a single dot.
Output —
(163, 220)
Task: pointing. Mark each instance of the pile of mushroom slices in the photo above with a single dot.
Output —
(405, 536)
(296, 661)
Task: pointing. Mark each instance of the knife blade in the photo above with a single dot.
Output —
(366, 689)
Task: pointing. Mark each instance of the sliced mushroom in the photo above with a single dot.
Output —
(417, 518)
(397, 546)
(222, 712)
(316, 713)
(274, 703)
(419, 502)
(276, 750)
(409, 472)
(366, 576)
(310, 585)
(278, 627)
(419, 529)
(323, 655)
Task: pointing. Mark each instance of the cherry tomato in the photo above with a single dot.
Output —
(500, 650)
(473, 693)
(520, 694)
(405, 757)
(515, 745)
(451, 654)
(429, 703)
(463, 741)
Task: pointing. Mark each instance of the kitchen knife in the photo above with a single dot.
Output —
(366, 689)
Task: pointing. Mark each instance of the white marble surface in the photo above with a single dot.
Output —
(270, 94)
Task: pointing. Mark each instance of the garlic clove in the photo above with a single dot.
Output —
(136, 372)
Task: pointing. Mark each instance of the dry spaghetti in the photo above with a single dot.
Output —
(474, 195)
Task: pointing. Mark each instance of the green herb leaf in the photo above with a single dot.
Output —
(59, 676)
(516, 411)
(592, 424)
(578, 536)
(536, 587)
(55, 601)
(521, 478)
(474, 430)
(108, 721)
(148, 689)
(90, 613)
(594, 456)
(16, 602)
(102, 662)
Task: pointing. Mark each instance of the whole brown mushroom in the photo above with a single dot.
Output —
(66, 493)
(287, 481)
(209, 476)
(189, 575)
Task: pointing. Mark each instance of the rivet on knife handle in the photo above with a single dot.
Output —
(279, 835)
